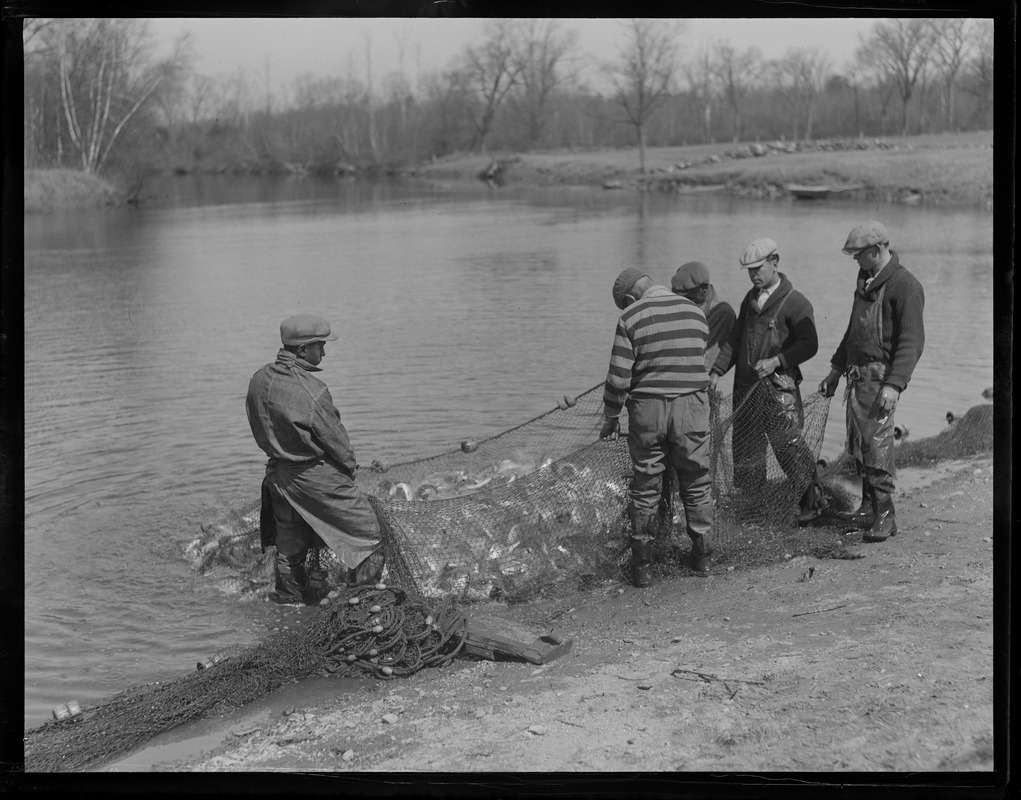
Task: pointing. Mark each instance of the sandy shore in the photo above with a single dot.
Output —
(879, 662)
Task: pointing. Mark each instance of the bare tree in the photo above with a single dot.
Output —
(106, 77)
(899, 50)
(490, 71)
(800, 76)
(644, 74)
(201, 90)
(544, 54)
(952, 47)
(701, 77)
(980, 69)
(736, 72)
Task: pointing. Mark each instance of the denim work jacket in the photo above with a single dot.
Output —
(293, 418)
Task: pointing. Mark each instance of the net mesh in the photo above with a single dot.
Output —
(538, 509)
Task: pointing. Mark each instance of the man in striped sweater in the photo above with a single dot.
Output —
(657, 371)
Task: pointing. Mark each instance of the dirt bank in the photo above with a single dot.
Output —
(878, 661)
(940, 170)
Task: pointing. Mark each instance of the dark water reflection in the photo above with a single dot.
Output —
(459, 315)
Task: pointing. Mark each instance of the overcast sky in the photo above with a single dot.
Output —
(325, 46)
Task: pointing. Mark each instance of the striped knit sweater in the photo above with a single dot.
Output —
(658, 350)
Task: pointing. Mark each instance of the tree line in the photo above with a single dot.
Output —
(98, 99)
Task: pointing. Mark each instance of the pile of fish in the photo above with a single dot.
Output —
(503, 531)
(513, 530)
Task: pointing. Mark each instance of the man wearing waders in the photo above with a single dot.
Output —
(658, 364)
(882, 344)
(774, 334)
(309, 497)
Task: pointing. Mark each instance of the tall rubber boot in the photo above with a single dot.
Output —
(884, 521)
(291, 582)
(641, 562)
(701, 554)
(861, 517)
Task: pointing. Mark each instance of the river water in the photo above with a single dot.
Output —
(459, 314)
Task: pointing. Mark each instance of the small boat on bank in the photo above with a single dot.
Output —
(818, 192)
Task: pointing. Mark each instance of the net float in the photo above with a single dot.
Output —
(377, 629)
(469, 446)
(204, 664)
(380, 586)
(376, 609)
(351, 657)
(387, 671)
(67, 710)
(429, 620)
(354, 601)
(373, 652)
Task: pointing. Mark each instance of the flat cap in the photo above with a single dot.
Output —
(689, 276)
(627, 279)
(865, 235)
(305, 329)
(757, 252)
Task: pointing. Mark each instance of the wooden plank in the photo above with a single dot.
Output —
(492, 637)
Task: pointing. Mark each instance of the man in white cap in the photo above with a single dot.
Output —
(774, 334)
(881, 346)
(657, 369)
(309, 496)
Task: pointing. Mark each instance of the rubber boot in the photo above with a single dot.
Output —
(291, 582)
(641, 562)
(369, 571)
(701, 554)
(884, 521)
(861, 517)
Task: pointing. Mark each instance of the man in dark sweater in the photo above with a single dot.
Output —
(657, 368)
(692, 281)
(878, 354)
(774, 334)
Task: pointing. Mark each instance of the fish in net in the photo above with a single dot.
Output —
(536, 510)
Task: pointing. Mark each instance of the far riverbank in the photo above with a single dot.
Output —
(947, 170)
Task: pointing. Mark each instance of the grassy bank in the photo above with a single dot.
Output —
(50, 189)
(949, 169)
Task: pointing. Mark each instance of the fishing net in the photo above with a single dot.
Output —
(377, 631)
(535, 510)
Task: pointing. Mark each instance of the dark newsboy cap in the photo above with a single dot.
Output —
(625, 281)
(690, 276)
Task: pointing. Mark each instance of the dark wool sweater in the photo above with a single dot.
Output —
(903, 329)
(795, 325)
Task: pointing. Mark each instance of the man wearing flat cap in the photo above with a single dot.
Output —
(309, 497)
(878, 354)
(692, 281)
(774, 334)
(657, 371)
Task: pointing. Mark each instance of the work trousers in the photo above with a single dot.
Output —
(294, 536)
(870, 437)
(671, 432)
